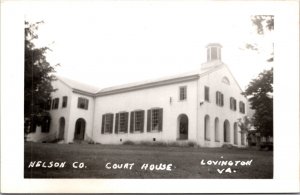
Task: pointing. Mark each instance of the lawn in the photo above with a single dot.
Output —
(136, 161)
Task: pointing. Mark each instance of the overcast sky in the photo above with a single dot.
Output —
(106, 43)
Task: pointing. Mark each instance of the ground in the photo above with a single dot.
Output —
(97, 161)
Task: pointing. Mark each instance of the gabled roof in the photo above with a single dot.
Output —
(78, 86)
(85, 89)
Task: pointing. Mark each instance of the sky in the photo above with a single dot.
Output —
(107, 43)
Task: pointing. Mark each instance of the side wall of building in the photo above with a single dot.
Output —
(165, 97)
(216, 115)
(56, 115)
(79, 113)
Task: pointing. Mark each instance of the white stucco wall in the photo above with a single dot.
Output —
(145, 99)
(214, 82)
(77, 113)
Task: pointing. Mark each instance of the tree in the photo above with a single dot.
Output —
(37, 79)
(263, 24)
(245, 125)
(260, 94)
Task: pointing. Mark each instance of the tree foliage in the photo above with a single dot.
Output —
(37, 78)
(263, 24)
(260, 93)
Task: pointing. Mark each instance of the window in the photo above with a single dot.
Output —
(55, 103)
(48, 104)
(137, 121)
(65, 101)
(242, 107)
(154, 119)
(206, 93)
(83, 103)
(219, 98)
(232, 104)
(107, 123)
(225, 80)
(182, 93)
(121, 125)
(46, 124)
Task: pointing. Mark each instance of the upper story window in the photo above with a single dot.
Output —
(137, 121)
(214, 53)
(233, 104)
(225, 80)
(206, 93)
(83, 103)
(65, 101)
(121, 125)
(48, 104)
(55, 103)
(107, 123)
(154, 119)
(242, 107)
(183, 93)
(219, 98)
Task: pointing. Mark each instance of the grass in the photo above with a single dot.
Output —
(185, 161)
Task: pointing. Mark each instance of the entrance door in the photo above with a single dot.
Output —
(79, 129)
(183, 127)
(61, 128)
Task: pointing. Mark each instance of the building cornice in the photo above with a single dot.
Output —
(148, 85)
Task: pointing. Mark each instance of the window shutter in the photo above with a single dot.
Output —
(102, 127)
(143, 114)
(126, 122)
(222, 99)
(131, 121)
(111, 123)
(160, 119)
(117, 123)
(217, 98)
(148, 120)
(87, 104)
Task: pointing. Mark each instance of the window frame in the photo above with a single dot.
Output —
(134, 122)
(182, 93)
(107, 123)
(232, 103)
(219, 98)
(64, 101)
(85, 103)
(206, 93)
(151, 126)
(242, 107)
(55, 103)
(121, 127)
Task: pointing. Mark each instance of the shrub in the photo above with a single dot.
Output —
(128, 142)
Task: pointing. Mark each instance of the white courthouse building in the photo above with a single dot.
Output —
(202, 107)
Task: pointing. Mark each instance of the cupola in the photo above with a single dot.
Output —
(213, 52)
(213, 56)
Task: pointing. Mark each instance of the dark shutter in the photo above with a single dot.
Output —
(222, 99)
(148, 120)
(78, 103)
(217, 98)
(111, 122)
(143, 116)
(117, 123)
(160, 119)
(126, 122)
(87, 104)
(131, 121)
(102, 127)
